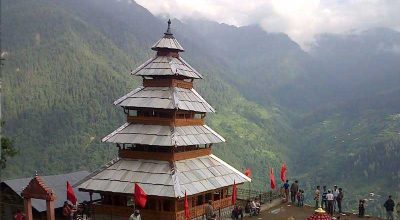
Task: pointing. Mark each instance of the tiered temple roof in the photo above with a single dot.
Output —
(165, 98)
(165, 145)
(161, 178)
(159, 135)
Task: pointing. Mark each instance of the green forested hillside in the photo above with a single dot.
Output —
(331, 113)
(64, 69)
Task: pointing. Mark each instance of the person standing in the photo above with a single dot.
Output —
(335, 193)
(301, 198)
(330, 198)
(324, 203)
(286, 187)
(361, 208)
(293, 191)
(389, 206)
(398, 209)
(316, 197)
(339, 200)
(19, 215)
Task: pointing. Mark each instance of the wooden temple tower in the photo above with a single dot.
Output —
(164, 146)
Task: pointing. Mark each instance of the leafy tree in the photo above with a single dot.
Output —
(7, 150)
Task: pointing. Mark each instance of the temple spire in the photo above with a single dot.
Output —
(168, 41)
(168, 32)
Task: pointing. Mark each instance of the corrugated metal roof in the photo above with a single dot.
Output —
(160, 135)
(57, 183)
(166, 65)
(165, 98)
(161, 178)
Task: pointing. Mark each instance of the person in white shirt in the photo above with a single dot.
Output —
(330, 199)
(335, 195)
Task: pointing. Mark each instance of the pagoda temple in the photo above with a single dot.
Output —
(164, 146)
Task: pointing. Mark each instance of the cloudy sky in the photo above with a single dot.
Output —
(300, 19)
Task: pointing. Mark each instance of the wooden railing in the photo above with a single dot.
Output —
(200, 210)
(101, 210)
(263, 196)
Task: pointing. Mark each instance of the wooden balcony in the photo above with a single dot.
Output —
(167, 83)
(165, 156)
(165, 121)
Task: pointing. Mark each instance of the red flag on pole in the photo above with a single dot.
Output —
(186, 206)
(140, 196)
(272, 178)
(248, 172)
(70, 194)
(283, 172)
(234, 193)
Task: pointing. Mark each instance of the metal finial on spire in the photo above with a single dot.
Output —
(169, 28)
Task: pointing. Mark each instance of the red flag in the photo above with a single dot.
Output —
(272, 178)
(70, 194)
(283, 172)
(140, 196)
(186, 205)
(234, 193)
(248, 172)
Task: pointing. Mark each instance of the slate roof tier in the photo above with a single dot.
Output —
(160, 135)
(168, 41)
(161, 178)
(165, 98)
(167, 66)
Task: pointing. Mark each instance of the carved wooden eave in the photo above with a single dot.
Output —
(37, 189)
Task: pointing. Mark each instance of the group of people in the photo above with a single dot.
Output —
(296, 195)
(331, 200)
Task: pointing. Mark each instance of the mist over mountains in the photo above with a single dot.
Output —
(332, 113)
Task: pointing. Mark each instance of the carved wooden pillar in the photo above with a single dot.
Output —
(28, 208)
(36, 189)
(50, 210)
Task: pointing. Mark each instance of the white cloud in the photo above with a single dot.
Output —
(300, 19)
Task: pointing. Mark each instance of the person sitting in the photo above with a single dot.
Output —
(258, 206)
(135, 215)
(209, 211)
(235, 213)
(253, 208)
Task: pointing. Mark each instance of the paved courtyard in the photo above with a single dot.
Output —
(284, 211)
